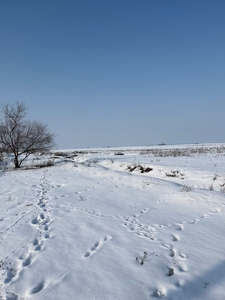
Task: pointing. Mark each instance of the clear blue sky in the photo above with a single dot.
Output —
(117, 72)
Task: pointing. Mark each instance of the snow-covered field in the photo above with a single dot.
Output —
(99, 226)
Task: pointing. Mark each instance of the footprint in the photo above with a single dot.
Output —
(166, 246)
(35, 242)
(11, 296)
(37, 288)
(172, 252)
(95, 246)
(170, 271)
(215, 211)
(45, 222)
(35, 221)
(87, 254)
(10, 275)
(175, 238)
(183, 255)
(159, 294)
(27, 261)
(204, 216)
(193, 221)
(179, 227)
(38, 248)
(182, 268)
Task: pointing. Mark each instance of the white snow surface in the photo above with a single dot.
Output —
(88, 228)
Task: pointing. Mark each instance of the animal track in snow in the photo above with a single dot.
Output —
(88, 189)
(11, 273)
(47, 236)
(97, 246)
(193, 221)
(11, 296)
(142, 230)
(39, 287)
(175, 238)
(27, 261)
(35, 221)
(172, 251)
(179, 227)
(35, 242)
(38, 248)
(144, 211)
(184, 256)
(40, 221)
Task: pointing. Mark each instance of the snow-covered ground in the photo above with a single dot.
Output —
(93, 226)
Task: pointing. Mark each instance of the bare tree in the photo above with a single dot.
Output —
(20, 136)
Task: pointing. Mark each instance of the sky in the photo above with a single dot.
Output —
(117, 72)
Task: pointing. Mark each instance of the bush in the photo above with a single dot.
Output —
(139, 168)
(48, 163)
(119, 153)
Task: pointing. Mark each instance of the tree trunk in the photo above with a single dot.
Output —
(16, 162)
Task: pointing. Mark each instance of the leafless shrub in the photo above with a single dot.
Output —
(183, 151)
(215, 177)
(82, 152)
(43, 164)
(211, 187)
(139, 167)
(81, 198)
(68, 155)
(118, 153)
(186, 188)
(171, 175)
(131, 168)
(48, 163)
(148, 169)
(175, 173)
(60, 154)
(142, 258)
